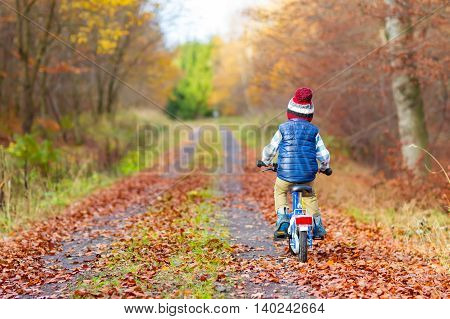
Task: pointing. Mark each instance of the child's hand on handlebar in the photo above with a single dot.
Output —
(271, 167)
(328, 171)
(260, 163)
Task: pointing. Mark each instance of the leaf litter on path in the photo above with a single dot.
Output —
(57, 250)
(354, 261)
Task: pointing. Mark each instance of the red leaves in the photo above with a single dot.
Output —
(24, 271)
(221, 277)
(147, 256)
(355, 261)
(203, 277)
(80, 293)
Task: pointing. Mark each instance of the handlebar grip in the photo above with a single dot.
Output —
(260, 163)
(328, 171)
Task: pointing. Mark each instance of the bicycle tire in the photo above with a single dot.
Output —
(289, 238)
(303, 248)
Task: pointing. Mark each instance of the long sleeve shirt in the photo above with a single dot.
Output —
(322, 154)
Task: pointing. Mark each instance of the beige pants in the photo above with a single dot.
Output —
(280, 193)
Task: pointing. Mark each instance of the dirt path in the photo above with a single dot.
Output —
(68, 244)
(82, 247)
(252, 235)
(354, 261)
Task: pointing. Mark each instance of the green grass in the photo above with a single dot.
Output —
(206, 250)
(125, 264)
(45, 201)
(79, 169)
(202, 249)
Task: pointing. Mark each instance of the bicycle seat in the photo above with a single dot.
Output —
(302, 188)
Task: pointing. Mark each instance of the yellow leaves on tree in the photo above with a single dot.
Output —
(161, 75)
(104, 21)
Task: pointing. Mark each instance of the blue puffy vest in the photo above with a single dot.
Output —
(297, 151)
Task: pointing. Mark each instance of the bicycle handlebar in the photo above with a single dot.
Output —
(274, 168)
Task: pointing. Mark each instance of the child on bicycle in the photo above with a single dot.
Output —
(300, 148)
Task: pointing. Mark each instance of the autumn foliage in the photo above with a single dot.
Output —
(340, 49)
(62, 59)
(83, 216)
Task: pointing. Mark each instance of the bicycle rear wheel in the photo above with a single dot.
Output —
(303, 246)
(293, 243)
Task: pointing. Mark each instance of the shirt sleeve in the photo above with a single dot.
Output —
(271, 149)
(322, 154)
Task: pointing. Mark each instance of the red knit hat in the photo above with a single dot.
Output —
(301, 106)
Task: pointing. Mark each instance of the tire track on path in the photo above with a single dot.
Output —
(257, 253)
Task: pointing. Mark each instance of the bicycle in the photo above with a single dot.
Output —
(300, 229)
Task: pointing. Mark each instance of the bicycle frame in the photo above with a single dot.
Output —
(300, 229)
(298, 218)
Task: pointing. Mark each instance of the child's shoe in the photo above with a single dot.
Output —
(319, 231)
(282, 224)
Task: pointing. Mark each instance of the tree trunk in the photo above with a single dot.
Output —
(405, 87)
(31, 52)
(111, 91)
